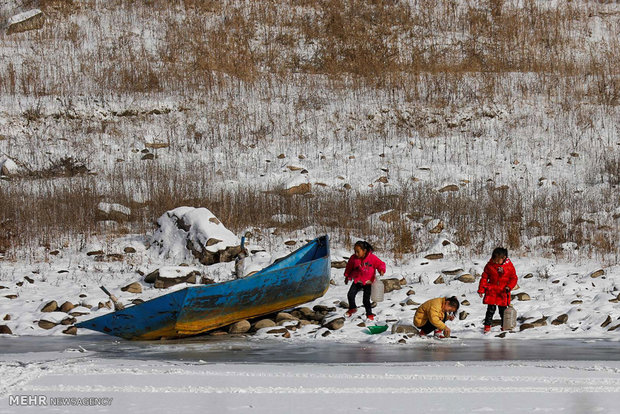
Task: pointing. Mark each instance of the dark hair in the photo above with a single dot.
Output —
(454, 302)
(499, 252)
(364, 245)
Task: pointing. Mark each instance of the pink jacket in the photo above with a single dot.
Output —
(363, 270)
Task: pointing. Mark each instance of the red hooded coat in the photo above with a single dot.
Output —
(363, 270)
(494, 281)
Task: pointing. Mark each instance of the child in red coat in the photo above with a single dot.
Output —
(498, 279)
(361, 269)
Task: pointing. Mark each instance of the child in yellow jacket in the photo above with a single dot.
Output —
(432, 314)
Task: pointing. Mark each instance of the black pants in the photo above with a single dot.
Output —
(353, 290)
(488, 319)
(429, 327)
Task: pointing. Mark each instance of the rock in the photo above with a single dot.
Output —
(448, 188)
(283, 316)
(434, 256)
(198, 232)
(522, 296)
(560, 320)
(435, 226)
(68, 321)
(167, 278)
(411, 302)
(466, 278)
(335, 324)
(439, 280)
(22, 22)
(264, 323)
(113, 212)
(391, 284)
(306, 313)
(576, 302)
(95, 253)
(528, 276)
(29, 279)
(134, 287)
(66, 307)
(151, 277)
(239, 327)
(382, 179)
(390, 217)
(5, 330)
(465, 303)
(501, 335)
(129, 250)
(326, 333)
(218, 333)
(50, 307)
(398, 328)
(323, 308)
(537, 323)
(72, 330)
(290, 243)
(47, 324)
(463, 315)
(8, 168)
(452, 272)
(137, 301)
(102, 305)
(341, 264)
(410, 292)
(300, 189)
(11, 296)
(613, 328)
(607, 322)
(525, 326)
(597, 273)
(277, 331)
(7, 317)
(344, 305)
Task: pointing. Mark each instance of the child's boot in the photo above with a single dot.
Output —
(351, 312)
(370, 317)
(487, 329)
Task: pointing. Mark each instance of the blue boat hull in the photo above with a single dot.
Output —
(298, 278)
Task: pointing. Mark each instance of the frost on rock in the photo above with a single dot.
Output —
(187, 232)
(30, 20)
(115, 212)
(8, 167)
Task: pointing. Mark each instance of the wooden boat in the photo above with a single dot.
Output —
(300, 277)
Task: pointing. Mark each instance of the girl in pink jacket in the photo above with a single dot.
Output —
(361, 270)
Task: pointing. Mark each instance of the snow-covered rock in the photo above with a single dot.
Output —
(29, 20)
(187, 231)
(114, 212)
(8, 167)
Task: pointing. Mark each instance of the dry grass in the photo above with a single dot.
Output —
(436, 54)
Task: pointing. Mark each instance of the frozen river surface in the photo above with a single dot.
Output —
(245, 375)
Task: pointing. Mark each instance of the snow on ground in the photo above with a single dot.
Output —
(555, 288)
(435, 387)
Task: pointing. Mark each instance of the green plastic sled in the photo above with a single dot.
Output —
(377, 329)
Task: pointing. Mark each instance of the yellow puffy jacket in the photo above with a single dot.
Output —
(431, 310)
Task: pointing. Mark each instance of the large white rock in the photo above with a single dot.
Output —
(187, 231)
